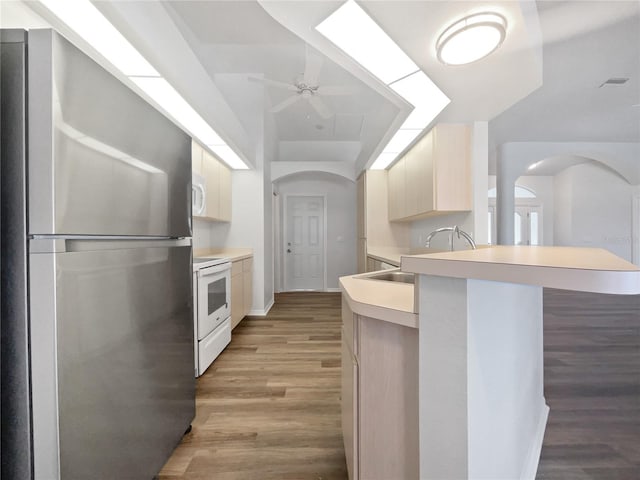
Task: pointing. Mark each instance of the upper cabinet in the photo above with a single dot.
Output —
(434, 177)
(217, 184)
(374, 229)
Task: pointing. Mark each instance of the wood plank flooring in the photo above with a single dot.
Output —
(592, 384)
(268, 408)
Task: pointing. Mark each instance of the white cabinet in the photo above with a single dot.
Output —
(217, 178)
(434, 177)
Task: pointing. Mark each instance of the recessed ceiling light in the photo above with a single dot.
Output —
(472, 38)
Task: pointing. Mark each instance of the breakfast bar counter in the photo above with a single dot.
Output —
(482, 411)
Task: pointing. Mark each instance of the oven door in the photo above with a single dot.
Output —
(214, 297)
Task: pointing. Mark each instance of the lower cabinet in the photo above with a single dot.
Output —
(379, 398)
(241, 289)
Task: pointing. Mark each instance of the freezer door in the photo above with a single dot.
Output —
(102, 161)
(112, 356)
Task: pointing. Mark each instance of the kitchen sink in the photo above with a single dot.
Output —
(394, 276)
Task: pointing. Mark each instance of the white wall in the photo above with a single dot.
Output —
(599, 203)
(341, 219)
(201, 234)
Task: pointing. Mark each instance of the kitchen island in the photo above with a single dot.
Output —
(482, 412)
(482, 407)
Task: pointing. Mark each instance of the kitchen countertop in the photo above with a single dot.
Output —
(389, 301)
(393, 255)
(569, 268)
(233, 254)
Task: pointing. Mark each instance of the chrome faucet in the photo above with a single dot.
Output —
(455, 230)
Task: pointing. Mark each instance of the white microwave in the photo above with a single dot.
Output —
(198, 196)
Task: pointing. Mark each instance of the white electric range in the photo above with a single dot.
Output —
(211, 309)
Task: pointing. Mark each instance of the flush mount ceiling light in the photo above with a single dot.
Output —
(472, 38)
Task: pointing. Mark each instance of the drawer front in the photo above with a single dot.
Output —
(212, 345)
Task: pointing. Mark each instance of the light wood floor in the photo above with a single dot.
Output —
(268, 408)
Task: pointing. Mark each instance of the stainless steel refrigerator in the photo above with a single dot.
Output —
(96, 327)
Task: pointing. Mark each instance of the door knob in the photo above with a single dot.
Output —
(288, 250)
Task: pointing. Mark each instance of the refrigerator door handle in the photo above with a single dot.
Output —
(44, 244)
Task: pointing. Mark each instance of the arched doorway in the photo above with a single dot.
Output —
(527, 217)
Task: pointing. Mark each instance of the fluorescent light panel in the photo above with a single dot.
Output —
(355, 32)
(87, 21)
(352, 30)
(229, 157)
(383, 161)
(400, 140)
(169, 99)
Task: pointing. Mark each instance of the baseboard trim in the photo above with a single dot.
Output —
(333, 290)
(530, 467)
(262, 313)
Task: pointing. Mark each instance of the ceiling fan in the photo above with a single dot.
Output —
(306, 87)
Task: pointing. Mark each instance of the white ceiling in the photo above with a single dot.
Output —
(541, 85)
(586, 43)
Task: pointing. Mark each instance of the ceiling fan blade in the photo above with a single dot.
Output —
(273, 83)
(320, 107)
(312, 67)
(285, 103)
(335, 90)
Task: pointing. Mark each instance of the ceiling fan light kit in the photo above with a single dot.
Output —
(306, 87)
(471, 38)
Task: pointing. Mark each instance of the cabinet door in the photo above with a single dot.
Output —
(349, 396)
(196, 158)
(225, 193)
(247, 278)
(237, 297)
(211, 169)
(424, 173)
(412, 174)
(396, 191)
(452, 150)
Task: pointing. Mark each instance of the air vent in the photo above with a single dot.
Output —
(614, 82)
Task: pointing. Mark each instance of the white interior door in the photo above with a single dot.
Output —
(304, 243)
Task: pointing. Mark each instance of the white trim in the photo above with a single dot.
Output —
(262, 313)
(333, 290)
(530, 467)
(635, 229)
(284, 235)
